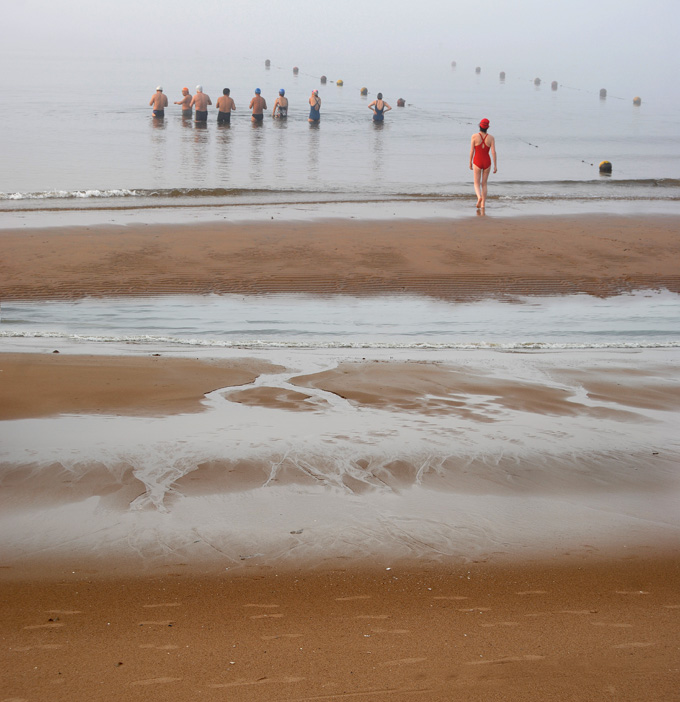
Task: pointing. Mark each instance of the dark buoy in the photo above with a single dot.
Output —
(267, 63)
(605, 167)
(537, 81)
(323, 80)
(478, 69)
(553, 85)
(603, 92)
(501, 75)
(453, 64)
(637, 101)
(295, 70)
(401, 102)
(339, 82)
(364, 91)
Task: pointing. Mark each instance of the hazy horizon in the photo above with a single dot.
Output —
(626, 47)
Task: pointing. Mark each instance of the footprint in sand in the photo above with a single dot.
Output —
(403, 661)
(154, 681)
(40, 647)
(163, 604)
(509, 659)
(353, 598)
(260, 681)
(390, 631)
(263, 606)
(452, 597)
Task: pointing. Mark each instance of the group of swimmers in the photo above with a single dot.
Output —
(482, 144)
(225, 106)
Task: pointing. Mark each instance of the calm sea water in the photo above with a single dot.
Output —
(645, 319)
(84, 137)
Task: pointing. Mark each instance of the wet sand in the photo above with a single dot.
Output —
(569, 631)
(577, 621)
(459, 259)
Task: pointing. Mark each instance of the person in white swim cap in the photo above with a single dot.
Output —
(159, 102)
(201, 101)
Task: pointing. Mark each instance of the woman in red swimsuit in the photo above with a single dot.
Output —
(482, 149)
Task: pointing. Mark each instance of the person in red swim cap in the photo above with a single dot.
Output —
(482, 150)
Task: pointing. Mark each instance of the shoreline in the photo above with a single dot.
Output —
(462, 259)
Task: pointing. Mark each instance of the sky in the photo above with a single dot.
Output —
(630, 41)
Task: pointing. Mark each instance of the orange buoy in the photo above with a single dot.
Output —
(637, 101)
(364, 91)
(605, 167)
(339, 82)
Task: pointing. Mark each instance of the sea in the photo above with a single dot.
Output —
(84, 149)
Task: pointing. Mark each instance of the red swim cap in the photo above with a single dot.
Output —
(484, 123)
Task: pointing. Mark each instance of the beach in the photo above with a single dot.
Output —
(309, 524)
(459, 259)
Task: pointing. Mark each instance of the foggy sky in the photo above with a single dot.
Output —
(612, 38)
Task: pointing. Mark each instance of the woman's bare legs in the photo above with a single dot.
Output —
(478, 172)
(485, 180)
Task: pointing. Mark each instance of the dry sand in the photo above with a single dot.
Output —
(577, 627)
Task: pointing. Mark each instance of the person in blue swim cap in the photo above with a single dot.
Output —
(281, 106)
(258, 105)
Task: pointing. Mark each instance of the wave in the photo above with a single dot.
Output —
(146, 339)
(535, 190)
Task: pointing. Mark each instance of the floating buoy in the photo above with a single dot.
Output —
(453, 64)
(603, 92)
(295, 70)
(553, 85)
(501, 75)
(339, 82)
(401, 102)
(478, 69)
(537, 81)
(323, 80)
(267, 63)
(364, 91)
(605, 167)
(637, 101)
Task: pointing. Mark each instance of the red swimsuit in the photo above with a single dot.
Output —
(482, 159)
